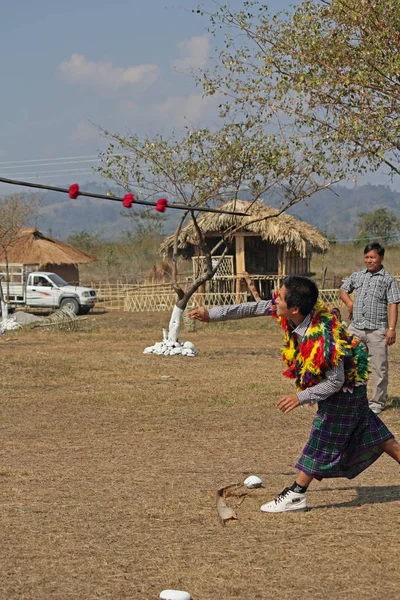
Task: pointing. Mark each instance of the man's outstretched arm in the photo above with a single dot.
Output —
(232, 312)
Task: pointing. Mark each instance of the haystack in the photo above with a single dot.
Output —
(159, 273)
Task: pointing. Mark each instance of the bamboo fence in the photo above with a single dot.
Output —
(161, 297)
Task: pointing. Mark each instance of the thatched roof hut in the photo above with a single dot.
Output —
(294, 235)
(33, 247)
(268, 245)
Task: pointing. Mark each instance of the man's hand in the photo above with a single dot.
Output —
(390, 337)
(347, 300)
(200, 314)
(350, 311)
(288, 403)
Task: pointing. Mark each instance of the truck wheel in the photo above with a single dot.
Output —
(71, 304)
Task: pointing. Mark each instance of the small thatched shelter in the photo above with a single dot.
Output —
(266, 248)
(34, 248)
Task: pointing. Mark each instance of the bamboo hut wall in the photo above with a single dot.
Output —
(261, 257)
(70, 273)
(297, 265)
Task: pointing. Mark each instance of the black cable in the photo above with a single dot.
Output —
(117, 199)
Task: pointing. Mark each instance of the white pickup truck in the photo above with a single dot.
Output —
(47, 290)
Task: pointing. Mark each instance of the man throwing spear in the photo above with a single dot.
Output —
(330, 368)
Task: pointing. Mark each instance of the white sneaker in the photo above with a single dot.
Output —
(287, 500)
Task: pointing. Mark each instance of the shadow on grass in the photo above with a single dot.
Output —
(365, 495)
(394, 402)
(288, 473)
(98, 310)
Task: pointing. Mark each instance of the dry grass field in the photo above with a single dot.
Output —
(110, 460)
(342, 259)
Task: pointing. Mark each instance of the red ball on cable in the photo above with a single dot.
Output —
(128, 200)
(73, 191)
(161, 205)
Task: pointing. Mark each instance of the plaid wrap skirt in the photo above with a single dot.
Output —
(345, 437)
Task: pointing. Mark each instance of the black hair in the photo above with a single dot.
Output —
(375, 246)
(302, 293)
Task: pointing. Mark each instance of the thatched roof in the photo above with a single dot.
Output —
(32, 246)
(282, 230)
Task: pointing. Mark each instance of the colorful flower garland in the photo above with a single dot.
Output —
(325, 343)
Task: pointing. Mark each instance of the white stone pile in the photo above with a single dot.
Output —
(170, 345)
(175, 595)
(8, 324)
(253, 482)
(168, 348)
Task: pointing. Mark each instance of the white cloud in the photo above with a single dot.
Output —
(195, 53)
(78, 68)
(181, 110)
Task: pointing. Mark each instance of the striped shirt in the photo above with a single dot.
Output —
(374, 291)
(334, 378)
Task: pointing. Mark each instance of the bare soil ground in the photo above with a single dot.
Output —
(110, 460)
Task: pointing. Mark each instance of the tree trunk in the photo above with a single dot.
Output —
(4, 305)
(170, 344)
(4, 311)
(174, 324)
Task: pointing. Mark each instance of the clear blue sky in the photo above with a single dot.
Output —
(67, 64)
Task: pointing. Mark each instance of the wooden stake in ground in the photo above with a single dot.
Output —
(251, 286)
(225, 512)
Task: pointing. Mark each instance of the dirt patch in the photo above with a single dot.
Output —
(110, 462)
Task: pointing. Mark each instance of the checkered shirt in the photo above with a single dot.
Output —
(374, 291)
(232, 312)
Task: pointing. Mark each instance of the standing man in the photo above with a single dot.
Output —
(373, 316)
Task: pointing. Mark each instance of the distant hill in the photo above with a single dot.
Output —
(61, 217)
(334, 212)
(338, 214)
